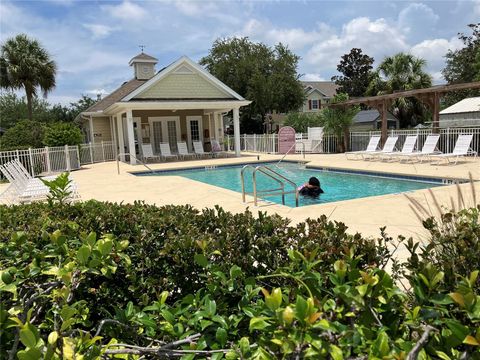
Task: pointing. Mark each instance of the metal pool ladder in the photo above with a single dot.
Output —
(279, 178)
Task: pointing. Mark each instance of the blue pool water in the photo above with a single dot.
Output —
(337, 186)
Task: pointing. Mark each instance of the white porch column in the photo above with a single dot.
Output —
(131, 137)
(121, 144)
(236, 130)
(90, 123)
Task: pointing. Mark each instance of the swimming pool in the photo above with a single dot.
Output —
(337, 185)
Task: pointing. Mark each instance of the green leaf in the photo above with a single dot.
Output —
(91, 239)
(30, 354)
(458, 330)
(82, 254)
(28, 337)
(274, 300)
(244, 345)
(52, 337)
(442, 355)
(105, 246)
(258, 323)
(301, 308)
(201, 260)
(221, 336)
(167, 315)
(362, 289)
(235, 271)
(335, 352)
(211, 307)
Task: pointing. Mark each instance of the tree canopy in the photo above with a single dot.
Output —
(463, 65)
(356, 69)
(267, 76)
(398, 73)
(25, 64)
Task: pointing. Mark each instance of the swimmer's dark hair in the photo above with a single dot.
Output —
(314, 181)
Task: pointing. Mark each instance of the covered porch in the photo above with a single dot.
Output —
(134, 124)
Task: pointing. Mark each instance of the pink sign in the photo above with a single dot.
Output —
(286, 140)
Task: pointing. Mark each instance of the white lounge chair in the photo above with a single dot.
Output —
(388, 148)
(371, 147)
(165, 151)
(198, 148)
(429, 148)
(183, 150)
(407, 148)
(462, 148)
(147, 153)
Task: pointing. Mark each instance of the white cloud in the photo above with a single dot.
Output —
(416, 16)
(99, 30)
(476, 7)
(313, 77)
(433, 51)
(127, 11)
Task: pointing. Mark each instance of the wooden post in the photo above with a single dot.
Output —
(436, 112)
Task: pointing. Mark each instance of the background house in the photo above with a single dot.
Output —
(462, 114)
(318, 93)
(367, 120)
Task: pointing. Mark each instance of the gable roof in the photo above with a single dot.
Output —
(366, 116)
(466, 105)
(328, 88)
(142, 57)
(116, 95)
(170, 68)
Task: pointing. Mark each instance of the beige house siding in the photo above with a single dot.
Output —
(101, 129)
(183, 86)
(314, 96)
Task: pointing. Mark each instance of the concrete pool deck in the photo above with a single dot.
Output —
(366, 215)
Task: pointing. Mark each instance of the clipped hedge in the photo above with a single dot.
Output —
(77, 280)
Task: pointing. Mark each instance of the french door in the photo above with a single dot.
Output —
(164, 129)
(194, 130)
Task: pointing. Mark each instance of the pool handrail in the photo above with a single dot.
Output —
(129, 154)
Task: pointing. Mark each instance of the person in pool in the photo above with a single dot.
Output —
(311, 188)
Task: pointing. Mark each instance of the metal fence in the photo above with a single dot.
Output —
(49, 160)
(268, 143)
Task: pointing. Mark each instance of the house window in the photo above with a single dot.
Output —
(315, 104)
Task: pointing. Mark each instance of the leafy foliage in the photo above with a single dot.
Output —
(25, 64)
(24, 134)
(463, 65)
(397, 73)
(259, 73)
(356, 69)
(59, 134)
(301, 121)
(175, 282)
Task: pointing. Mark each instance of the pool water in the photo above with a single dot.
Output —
(337, 186)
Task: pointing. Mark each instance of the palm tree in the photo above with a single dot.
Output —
(24, 63)
(402, 72)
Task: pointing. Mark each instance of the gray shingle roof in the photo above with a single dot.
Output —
(329, 88)
(116, 95)
(366, 116)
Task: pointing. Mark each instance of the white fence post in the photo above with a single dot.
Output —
(254, 142)
(78, 155)
(18, 156)
(67, 158)
(47, 158)
(448, 140)
(91, 155)
(103, 152)
(32, 171)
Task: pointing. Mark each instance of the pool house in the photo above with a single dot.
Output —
(181, 102)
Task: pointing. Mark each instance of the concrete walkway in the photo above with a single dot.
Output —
(365, 215)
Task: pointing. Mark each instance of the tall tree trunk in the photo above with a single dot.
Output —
(29, 104)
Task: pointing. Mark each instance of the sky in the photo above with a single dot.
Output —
(93, 41)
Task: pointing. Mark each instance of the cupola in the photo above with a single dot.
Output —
(143, 66)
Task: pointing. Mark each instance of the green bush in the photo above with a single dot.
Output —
(302, 121)
(61, 133)
(23, 135)
(173, 281)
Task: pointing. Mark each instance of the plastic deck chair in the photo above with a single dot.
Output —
(198, 148)
(429, 148)
(165, 151)
(371, 147)
(147, 153)
(408, 148)
(462, 148)
(183, 150)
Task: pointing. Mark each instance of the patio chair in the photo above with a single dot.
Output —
(198, 148)
(388, 148)
(462, 148)
(371, 147)
(429, 148)
(183, 150)
(165, 151)
(408, 148)
(19, 190)
(147, 153)
(217, 149)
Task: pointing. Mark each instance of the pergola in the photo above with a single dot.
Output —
(428, 96)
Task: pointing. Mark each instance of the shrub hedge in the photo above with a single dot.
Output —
(172, 281)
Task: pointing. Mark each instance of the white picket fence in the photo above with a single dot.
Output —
(268, 143)
(48, 160)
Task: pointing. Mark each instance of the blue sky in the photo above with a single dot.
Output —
(92, 41)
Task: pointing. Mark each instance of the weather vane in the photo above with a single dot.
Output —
(141, 47)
